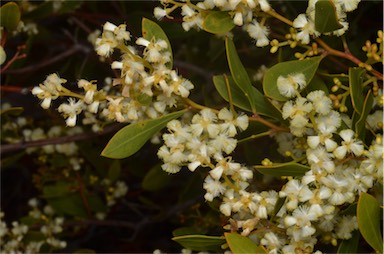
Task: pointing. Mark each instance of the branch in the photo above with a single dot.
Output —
(59, 57)
(60, 140)
(346, 55)
(193, 68)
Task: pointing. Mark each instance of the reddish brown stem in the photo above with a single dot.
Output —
(346, 55)
(276, 128)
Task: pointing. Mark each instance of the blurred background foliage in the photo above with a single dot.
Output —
(156, 203)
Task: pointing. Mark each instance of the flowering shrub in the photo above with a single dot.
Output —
(279, 146)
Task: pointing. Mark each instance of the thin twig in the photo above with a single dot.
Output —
(60, 140)
(193, 68)
(59, 57)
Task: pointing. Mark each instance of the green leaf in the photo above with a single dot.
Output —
(96, 203)
(152, 30)
(144, 99)
(131, 138)
(350, 245)
(59, 189)
(10, 16)
(241, 244)
(263, 105)
(238, 97)
(114, 171)
(218, 22)
(68, 205)
(14, 111)
(283, 169)
(368, 219)
(34, 236)
(69, 6)
(350, 210)
(360, 123)
(279, 204)
(43, 10)
(326, 17)
(239, 74)
(307, 66)
(316, 84)
(46, 9)
(356, 76)
(200, 242)
(155, 179)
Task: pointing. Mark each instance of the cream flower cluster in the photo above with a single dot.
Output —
(243, 12)
(69, 149)
(340, 169)
(305, 23)
(145, 88)
(208, 136)
(12, 238)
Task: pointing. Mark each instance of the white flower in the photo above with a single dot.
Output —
(238, 19)
(290, 85)
(306, 26)
(121, 33)
(321, 103)
(223, 143)
(348, 5)
(71, 110)
(187, 11)
(205, 121)
(108, 26)
(230, 124)
(264, 5)
(49, 90)
(259, 33)
(89, 88)
(213, 187)
(171, 168)
(345, 226)
(349, 145)
(375, 120)
(159, 13)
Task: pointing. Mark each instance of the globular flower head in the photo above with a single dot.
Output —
(348, 145)
(71, 110)
(290, 85)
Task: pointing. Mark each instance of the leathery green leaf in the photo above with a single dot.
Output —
(241, 244)
(316, 84)
(200, 242)
(10, 16)
(69, 205)
(350, 245)
(152, 30)
(131, 138)
(239, 74)
(114, 171)
(368, 219)
(218, 22)
(283, 169)
(155, 179)
(356, 76)
(326, 17)
(238, 97)
(263, 105)
(307, 66)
